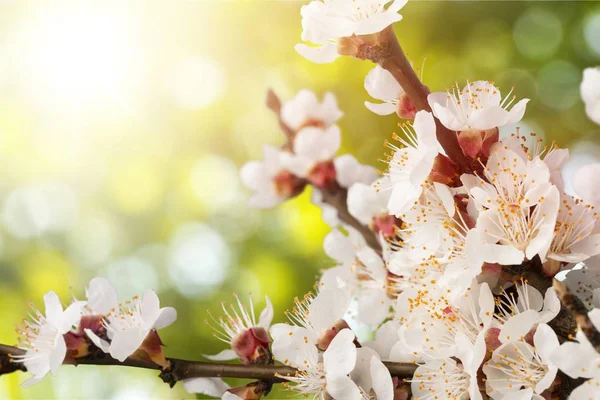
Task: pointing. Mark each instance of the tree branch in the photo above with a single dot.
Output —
(394, 60)
(184, 369)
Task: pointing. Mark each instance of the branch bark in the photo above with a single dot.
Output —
(395, 61)
(185, 369)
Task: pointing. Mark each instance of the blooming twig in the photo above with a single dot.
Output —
(335, 195)
(184, 369)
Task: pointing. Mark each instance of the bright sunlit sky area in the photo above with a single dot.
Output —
(123, 125)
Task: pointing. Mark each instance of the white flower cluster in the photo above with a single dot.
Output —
(447, 289)
(122, 330)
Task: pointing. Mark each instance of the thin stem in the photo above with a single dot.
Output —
(394, 60)
(335, 196)
(184, 369)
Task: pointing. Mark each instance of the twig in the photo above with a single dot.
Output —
(579, 311)
(184, 369)
(394, 60)
(335, 196)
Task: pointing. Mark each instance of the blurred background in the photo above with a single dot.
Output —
(123, 126)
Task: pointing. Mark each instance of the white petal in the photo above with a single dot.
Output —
(253, 174)
(53, 309)
(488, 118)
(587, 390)
(551, 306)
(377, 23)
(517, 112)
(294, 346)
(340, 356)
(58, 354)
(382, 381)
(100, 343)
(214, 387)
(381, 85)
(266, 316)
(224, 355)
(150, 308)
(71, 316)
(125, 343)
(328, 307)
(340, 387)
(545, 342)
(381, 108)
(166, 317)
(518, 326)
(101, 296)
(321, 55)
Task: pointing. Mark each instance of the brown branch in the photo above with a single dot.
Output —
(395, 61)
(579, 312)
(335, 196)
(184, 369)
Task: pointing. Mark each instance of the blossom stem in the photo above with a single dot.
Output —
(395, 61)
(335, 196)
(184, 369)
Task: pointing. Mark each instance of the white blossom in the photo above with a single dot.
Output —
(128, 325)
(518, 365)
(312, 320)
(517, 205)
(590, 93)
(381, 85)
(586, 184)
(330, 374)
(43, 340)
(304, 110)
(324, 22)
(270, 179)
(411, 163)
(478, 106)
(240, 329)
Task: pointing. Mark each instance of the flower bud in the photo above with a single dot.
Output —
(152, 348)
(252, 345)
(322, 175)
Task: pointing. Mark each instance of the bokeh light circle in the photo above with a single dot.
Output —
(558, 83)
(198, 259)
(537, 33)
(198, 83)
(591, 33)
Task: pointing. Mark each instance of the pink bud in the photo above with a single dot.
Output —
(251, 344)
(322, 175)
(406, 109)
(92, 322)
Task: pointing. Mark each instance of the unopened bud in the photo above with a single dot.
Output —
(252, 346)
(322, 175)
(327, 336)
(406, 109)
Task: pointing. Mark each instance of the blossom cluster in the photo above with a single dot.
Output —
(449, 262)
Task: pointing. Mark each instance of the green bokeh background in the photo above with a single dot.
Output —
(147, 171)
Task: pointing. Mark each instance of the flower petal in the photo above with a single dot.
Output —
(340, 356)
(224, 355)
(125, 343)
(266, 316)
(166, 316)
(214, 387)
(321, 55)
